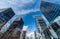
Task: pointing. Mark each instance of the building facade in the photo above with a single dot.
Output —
(56, 26)
(13, 32)
(41, 25)
(5, 16)
(50, 10)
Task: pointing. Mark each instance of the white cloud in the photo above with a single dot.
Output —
(22, 12)
(3, 4)
(26, 1)
(30, 33)
(25, 28)
(18, 4)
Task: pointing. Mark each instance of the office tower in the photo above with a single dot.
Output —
(13, 30)
(15, 34)
(50, 10)
(43, 27)
(17, 23)
(40, 23)
(5, 16)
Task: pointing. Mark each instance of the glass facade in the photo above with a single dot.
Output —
(5, 15)
(20, 24)
(50, 10)
(17, 23)
(43, 27)
(41, 22)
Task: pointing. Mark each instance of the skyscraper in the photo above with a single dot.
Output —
(50, 10)
(13, 32)
(41, 25)
(5, 16)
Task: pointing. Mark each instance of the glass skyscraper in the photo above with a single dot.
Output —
(5, 16)
(50, 10)
(41, 25)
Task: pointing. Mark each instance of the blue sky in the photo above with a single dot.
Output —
(30, 20)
